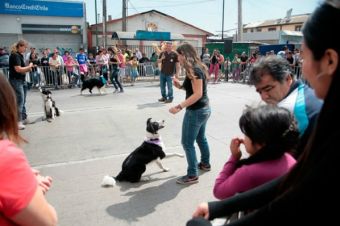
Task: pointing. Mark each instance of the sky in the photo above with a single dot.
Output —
(206, 14)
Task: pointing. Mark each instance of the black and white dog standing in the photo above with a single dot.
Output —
(93, 82)
(50, 109)
(151, 150)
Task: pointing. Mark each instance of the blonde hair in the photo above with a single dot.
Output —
(13, 48)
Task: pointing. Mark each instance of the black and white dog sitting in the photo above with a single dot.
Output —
(93, 82)
(152, 149)
(50, 109)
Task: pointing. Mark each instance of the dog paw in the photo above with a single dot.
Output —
(145, 178)
(166, 169)
(108, 181)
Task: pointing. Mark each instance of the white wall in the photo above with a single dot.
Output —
(164, 24)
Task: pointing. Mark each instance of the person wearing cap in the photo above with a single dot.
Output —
(170, 66)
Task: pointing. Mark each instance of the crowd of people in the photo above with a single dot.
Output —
(289, 176)
(56, 68)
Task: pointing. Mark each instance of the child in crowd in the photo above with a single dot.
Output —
(269, 134)
(82, 61)
(134, 69)
(92, 64)
(72, 71)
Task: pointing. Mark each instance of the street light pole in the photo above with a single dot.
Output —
(104, 24)
(239, 21)
(223, 20)
(95, 8)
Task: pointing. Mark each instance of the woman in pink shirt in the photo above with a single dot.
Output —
(270, 132)
(22, 200)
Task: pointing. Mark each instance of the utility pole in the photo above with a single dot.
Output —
(104, 24)
(223, 21)
(124, 16)
(124, 21)
(95, 8)
(239, 21)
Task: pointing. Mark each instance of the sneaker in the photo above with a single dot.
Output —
(204, 167)
(21, 126)
(187, 180)
(168, 101)
(116, 91)
(162, 99)
(27, 121)
(121, 91)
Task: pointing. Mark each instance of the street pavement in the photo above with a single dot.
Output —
(96, 132)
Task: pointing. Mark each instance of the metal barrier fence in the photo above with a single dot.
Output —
(236, 75)
(71, 76)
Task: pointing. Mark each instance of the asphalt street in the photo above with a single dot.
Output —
(96, 132)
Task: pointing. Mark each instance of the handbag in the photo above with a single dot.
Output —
(64, 79)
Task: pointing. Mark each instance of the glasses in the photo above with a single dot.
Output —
(265, 89)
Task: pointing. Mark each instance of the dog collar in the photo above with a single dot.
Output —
(156, 141)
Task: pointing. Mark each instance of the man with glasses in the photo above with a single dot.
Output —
(276, 85)
(17, 75)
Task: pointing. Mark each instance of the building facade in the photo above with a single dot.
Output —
(44, 24)
(278, 31)
(165, 26)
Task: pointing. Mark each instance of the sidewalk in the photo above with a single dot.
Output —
(95, 134)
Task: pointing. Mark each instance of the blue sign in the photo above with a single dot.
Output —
(152, 35)
(41, 8)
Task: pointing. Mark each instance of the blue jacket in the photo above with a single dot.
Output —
(305, 106)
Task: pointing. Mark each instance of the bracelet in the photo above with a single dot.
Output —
(179, 107)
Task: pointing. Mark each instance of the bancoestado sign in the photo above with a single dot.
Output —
(41, 8)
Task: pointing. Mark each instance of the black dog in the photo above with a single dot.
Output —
(150, 150)
(91, 83)
(51, 111)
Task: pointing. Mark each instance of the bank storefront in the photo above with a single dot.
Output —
(45, 24)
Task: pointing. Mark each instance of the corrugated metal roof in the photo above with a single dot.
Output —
(293, 19)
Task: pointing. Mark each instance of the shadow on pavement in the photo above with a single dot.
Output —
(145, 201)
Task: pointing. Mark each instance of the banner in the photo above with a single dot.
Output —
(41, 8)
(50, 29)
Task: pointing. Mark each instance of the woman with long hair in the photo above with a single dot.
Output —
(197, 111)
(22, 200)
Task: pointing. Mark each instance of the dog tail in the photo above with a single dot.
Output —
(108, 181)
(168, 155)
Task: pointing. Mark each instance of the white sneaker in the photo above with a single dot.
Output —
(21, 126)
(27, 121)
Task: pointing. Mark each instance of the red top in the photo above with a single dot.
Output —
(17, 181)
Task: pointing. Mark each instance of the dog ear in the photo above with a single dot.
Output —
(148, 121)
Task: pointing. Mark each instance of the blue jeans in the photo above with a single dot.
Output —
(20, 89)
(193, 128)
(115, 80)
(166, 80)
